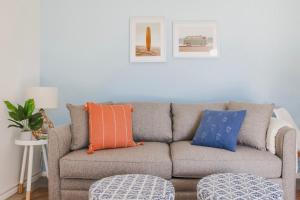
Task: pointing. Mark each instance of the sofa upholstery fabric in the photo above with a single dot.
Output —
(76, 183)
(190, 195)
(254, 128)
(152, 158)
(59, 143)
(186, 118)
(197, 161)
(285, 143)
(79, 126)
(152, 122)
(74, 194)
(185, 184)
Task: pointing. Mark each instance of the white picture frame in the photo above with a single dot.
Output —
(140, 28)
(195, 39)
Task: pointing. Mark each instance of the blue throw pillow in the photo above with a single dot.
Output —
(219, 129)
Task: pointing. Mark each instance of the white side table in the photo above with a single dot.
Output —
(30, 144)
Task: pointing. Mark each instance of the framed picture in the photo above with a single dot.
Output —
(147, 39)
(192, 39)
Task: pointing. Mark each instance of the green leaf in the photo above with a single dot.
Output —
(17, 123)
(13, 125)
(21, 113)
(35, 116)
(14, 116)
(36, 124)
(35, 121)
(29, 107)
(10, 106)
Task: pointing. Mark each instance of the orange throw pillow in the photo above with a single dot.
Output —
(110, 126)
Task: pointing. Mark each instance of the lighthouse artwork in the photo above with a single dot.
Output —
(147, 39)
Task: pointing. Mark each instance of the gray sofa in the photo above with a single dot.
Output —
(167, 130)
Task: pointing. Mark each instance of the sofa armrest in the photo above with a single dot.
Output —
(286, 150)
(59, 143)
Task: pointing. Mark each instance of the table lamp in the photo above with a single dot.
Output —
(44, 98)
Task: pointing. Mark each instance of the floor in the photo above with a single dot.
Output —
(40, 192)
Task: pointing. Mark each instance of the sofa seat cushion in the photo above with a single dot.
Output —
(191, 161)
(151, 158)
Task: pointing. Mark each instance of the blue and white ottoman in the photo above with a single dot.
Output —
(237, 186)
(132, 187)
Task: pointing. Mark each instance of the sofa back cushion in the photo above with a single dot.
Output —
(79, 126)
(152, 122)
(186, 118)
(254, 128)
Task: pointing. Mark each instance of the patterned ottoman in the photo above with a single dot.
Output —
(237, 186)
(132, 187)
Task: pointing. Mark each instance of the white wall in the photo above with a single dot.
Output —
(19, 68)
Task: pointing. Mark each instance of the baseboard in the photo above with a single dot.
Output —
(14, 189)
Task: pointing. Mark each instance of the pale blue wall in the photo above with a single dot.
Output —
(85, 53)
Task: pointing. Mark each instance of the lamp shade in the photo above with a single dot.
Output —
(44, 97)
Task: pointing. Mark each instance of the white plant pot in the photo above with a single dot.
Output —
(27, 135)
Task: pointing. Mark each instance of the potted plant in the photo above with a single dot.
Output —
(24, 118)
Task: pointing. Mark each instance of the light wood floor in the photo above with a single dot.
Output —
(41, 192)
(37, 194)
